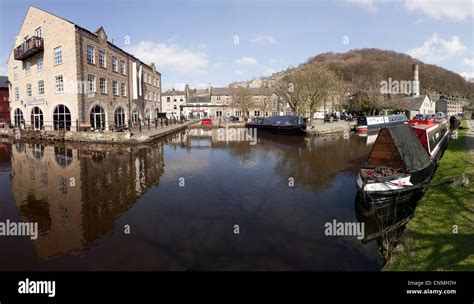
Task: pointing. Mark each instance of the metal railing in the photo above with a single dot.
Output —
(140, 125)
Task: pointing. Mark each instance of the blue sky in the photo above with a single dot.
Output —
(204, 41)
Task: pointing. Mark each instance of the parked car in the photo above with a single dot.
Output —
(232, 118)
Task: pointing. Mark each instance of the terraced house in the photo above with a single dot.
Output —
(65, 77)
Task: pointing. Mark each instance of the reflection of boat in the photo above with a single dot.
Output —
(279, 124)
(402, 161)
(385, 224)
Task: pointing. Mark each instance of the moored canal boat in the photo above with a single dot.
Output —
(374, 122)
(402, 162)
(279, 124)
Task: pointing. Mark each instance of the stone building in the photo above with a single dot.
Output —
(63, 76)
(452, 105)
(4, 101)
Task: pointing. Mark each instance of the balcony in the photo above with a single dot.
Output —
(29, 48)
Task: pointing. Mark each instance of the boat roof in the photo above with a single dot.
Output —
(398, 144)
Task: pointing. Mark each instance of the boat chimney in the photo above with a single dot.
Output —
(416, 81)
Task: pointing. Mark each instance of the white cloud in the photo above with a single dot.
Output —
(246, 61)
(264, 39)
(469, 76)
(268, 72)
(436, 49)
(457, 10)
(366, 4)
(171, 56)
(468, 62)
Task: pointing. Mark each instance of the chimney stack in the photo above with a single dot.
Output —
(416, 81)
(209, 90)
(186, 89)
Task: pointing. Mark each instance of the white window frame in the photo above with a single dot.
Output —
(39, 67)
(123, 89)
(91, 83)
(39, 32)
(114, 66)
(15, 73)
(27, 67)
(17, 93)
(59, 86)
(115, 91)
(123, 67)
(58, 55)
(104, 87)
(40, 87)
(102, 59)
(29, 90)
(90, 55)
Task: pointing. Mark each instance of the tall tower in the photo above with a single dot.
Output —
(416, 81)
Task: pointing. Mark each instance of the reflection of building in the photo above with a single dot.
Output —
(77, 194)
(61, 72)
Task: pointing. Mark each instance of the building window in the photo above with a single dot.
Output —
(97, 118)
(119, 117)
(58, 55)
(123, 89)
(59, 84)
(168, 99)
(62, 118)
(27, 67)
(257, 113)
(38, 32)
(122, 67)
(103, 85)
(29, 91)
(41, 87)
(90, 54)
(39, 64)
(15, 73)
(102, 60)
(135, 116)
(218, 98)
(91, 83)
(17, 93)
(114, 64)
(18, 118)
(37, 118)
(115, 87)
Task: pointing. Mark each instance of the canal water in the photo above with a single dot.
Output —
(193, 201)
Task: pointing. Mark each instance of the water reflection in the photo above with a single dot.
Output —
(384, 224)
(75, 193)
(81, 196)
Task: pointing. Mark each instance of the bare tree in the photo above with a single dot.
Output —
(289, 92)
(242, 100)
(317, 84)
(266, 103)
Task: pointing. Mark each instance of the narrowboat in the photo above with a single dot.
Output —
(279, 124)
(374, 122)
(402, 161)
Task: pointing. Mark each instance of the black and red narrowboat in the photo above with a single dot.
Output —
(402, 161)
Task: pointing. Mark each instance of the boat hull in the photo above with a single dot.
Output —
(290, 130)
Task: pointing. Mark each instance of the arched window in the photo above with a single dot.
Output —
(97, 118)
(147, 114)
(62, 118)
(119, 117)
(135, 116)
(36, 118)
(18, 118)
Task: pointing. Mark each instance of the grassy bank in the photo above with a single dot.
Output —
(430, 242)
